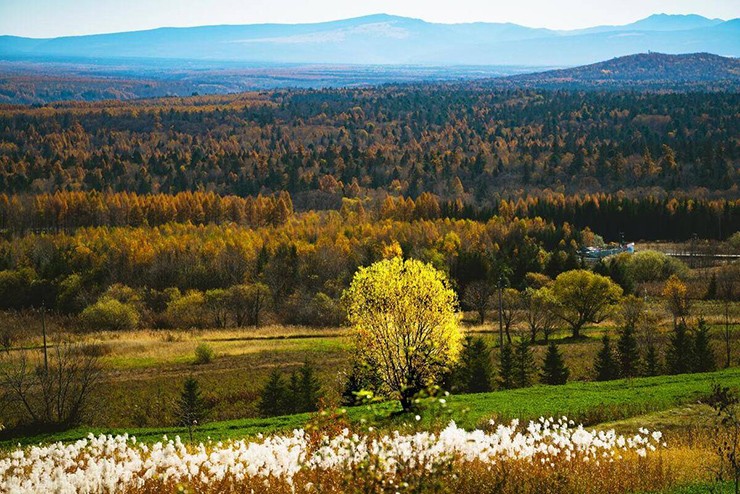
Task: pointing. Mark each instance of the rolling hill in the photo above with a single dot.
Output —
(654, 70)
(387, 39)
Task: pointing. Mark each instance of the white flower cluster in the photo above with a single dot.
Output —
(119, 463)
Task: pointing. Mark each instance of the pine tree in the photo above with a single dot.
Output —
(605, 367)
(474, 373)
(310, 388)
(273, 399)
(554, 370)
(628, 354)
(652, 362)
(680, 355)
(524, 365)
(292, 397)
(191, 408)
(506, 367)
(704, 359)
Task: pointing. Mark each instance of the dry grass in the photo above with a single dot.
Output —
(683, 462)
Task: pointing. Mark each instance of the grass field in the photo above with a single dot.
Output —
(587, 402)
(144, 370)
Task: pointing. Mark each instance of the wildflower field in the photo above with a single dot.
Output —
(354, 452)
(545, 456)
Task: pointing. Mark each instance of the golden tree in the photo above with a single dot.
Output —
(583, 297)
(677, 298)
(404, 315)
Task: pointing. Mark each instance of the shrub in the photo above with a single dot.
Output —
(110, 314)
(651, 265)
(187, 311)
(15, 288)
(57, 396)
(203, 354)
(70, 298)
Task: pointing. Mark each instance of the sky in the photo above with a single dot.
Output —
(51, 18)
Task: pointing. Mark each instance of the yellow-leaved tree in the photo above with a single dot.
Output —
(406, 325)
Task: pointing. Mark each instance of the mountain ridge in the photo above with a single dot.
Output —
(389, 39)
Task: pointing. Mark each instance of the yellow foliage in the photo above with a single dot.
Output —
(404, 316)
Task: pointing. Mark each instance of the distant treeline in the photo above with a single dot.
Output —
(305, 263)
(645, 218)
(614, 216)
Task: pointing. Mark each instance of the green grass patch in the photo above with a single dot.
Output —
(587, 402)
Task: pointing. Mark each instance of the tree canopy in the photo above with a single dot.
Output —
(405, 321)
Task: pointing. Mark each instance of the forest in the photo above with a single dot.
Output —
(222, 266)
(460, 142)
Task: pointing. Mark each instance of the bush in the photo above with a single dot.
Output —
(70, 297)
(651, 265)
(187, 311)
(203, 354)
(110, 314)
(52, 399)
(15, 288)
(319, 310)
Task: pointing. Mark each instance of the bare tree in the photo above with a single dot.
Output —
(478, 296)
(726, 285)
(55, 396)
(511, 302)
(538, 314)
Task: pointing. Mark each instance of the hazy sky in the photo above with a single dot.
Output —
(49, 18)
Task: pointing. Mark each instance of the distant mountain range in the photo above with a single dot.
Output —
(386, 39)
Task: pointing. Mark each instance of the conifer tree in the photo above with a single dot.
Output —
(506, 367)
(680, 355)
(474, 372)
(652, 361)
(293, 395)
(628, 354)
(524, 365)
(273, 398)
(191, 408)
(605, 366)
(310, 388)
(704, 359)
(554, 370)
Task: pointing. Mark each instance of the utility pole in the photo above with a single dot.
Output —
(500, 312)
(43, 332)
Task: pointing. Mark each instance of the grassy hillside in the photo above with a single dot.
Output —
(587, 402)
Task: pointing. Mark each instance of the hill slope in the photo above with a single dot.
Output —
(386, 39)
(645, 70)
